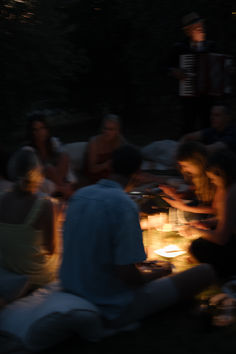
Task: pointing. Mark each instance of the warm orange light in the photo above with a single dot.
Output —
(170, 251)
(167, 228)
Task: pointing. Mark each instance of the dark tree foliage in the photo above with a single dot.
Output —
(97, 55)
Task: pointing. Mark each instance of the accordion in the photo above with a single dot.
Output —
(208, 74)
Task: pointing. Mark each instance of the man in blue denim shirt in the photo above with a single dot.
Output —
(103, 244)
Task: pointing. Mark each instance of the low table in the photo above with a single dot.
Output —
(154, 240)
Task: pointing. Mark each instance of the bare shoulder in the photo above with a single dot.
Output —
(46, 209)
(45, 214)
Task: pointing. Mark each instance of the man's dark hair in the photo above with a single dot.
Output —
(191, 150)
(126, 160)
(225, 107)
(223, 163)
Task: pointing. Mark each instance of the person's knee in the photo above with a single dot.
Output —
(206, 271)
(195, 249)
(194, 280)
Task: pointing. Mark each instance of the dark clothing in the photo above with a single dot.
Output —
(222, 258)
(186, 48)
(228, 137)
(195, 110)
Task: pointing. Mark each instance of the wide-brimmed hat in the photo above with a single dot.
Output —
(190, 19)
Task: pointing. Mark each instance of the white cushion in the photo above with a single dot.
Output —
(76, 152)
(49, 316)
(161, 154)
(12, 285)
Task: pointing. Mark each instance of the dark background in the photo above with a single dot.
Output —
(78, 59)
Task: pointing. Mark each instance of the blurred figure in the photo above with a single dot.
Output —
(54, 160)
(104, 248)
(221, 133)
(217, 244)
(28, 224)
(5, 184)
(101, 147)
(195, 107)
(191, 158)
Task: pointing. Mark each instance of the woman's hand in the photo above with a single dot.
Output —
(188, 231)
(170, 191)
(178, 204)
(199, 224)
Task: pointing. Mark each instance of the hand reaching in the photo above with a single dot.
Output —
(188, 231)
(178, 204)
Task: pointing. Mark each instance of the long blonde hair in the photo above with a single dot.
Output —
(196, 153)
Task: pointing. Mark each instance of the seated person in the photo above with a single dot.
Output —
(217, 244)
(5, 184)
(103, 245)
(54, 160)
(192, 158)
(101, 147)
(221, 133)
(28, 225)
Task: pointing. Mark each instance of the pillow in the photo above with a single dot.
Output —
(49, 316)
(161, 152)
(76, 152)
(12, 285)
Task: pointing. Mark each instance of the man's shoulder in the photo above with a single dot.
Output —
(105, 190)
(211, 46)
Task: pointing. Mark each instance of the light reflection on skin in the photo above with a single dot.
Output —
(110, 130)
(219, 119)
(196, 32)
(215, 179)
(189, 168)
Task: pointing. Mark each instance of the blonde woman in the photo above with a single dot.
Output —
(28, 238)
(191, 158)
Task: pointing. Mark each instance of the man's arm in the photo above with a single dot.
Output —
(132, 277)
(195, 136)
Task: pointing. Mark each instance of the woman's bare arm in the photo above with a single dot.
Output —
(226, 225)
(199, 209)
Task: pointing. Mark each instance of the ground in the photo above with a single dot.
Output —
(180, 330)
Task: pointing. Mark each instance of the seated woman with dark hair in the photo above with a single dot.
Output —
(54, 160)
(217, 244)
(28, 224)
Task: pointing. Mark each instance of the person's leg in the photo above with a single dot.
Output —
(2, 302)
(165, 292)
(194, 280)
(222, 258)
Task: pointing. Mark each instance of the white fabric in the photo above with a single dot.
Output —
(49, 316)
(76, 152)
(159, 155)
(12, 285)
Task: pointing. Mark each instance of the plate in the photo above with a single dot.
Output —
(170, 251)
